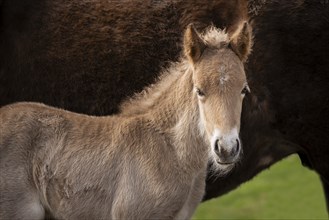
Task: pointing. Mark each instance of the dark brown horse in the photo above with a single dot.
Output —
(47, 45)
(80, 56)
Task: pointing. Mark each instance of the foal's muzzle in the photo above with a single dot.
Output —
(228, 152)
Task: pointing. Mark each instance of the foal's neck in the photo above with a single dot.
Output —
(171, 107)
(169, 101)
(176, 105)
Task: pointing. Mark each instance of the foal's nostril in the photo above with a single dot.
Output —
(237, 148)
(217, 146)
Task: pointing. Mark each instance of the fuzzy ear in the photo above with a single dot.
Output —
(193, 44)
(241, 41)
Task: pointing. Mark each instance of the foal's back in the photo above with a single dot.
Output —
(65, 162)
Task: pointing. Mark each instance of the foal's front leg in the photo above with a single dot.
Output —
(195, 197)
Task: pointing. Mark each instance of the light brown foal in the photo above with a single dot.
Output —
(149, 161)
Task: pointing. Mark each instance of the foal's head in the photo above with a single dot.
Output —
(220, 85)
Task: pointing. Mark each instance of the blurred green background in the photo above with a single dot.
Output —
(286, 191)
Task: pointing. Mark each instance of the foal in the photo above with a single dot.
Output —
(149, 161)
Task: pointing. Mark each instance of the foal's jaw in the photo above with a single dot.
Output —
(225, 148)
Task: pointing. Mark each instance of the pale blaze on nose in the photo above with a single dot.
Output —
(223, 111)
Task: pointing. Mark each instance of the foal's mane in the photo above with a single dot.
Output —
(145, 99)
(213, 37)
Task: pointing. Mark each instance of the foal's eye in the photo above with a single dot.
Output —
(199, 92)
(245, 90)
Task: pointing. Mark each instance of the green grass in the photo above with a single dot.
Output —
(286, 191)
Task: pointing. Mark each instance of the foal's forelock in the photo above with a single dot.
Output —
(215, 38)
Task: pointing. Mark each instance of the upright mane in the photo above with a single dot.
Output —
(213, 37)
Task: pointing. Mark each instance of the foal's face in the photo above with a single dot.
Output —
(220, 85)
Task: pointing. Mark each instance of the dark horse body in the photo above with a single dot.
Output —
(81, 56)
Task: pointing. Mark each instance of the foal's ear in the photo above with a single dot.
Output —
(193, 44)
(241, 41)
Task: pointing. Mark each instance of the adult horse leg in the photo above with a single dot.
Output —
(325, 185)
(321, 168)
